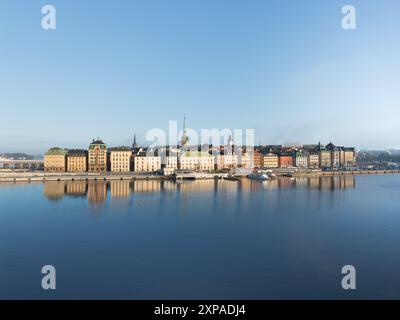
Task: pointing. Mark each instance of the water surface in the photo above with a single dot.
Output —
(287, 238)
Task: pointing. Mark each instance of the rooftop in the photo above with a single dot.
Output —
(97, 142)
(77, 152)
(196, 154)
(56, 151)
(121, 148)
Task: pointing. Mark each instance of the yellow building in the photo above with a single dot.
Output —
(97, 156)
(246, 159)
(349, 157)
(171, 162)
(313, 160)
(335, 155)
(198, 161)
(55, 160)
(325, 159)
(120, 159)
(341, 156)
(270, 160)
(77, 161)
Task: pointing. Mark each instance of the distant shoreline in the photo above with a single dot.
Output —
(42, 176)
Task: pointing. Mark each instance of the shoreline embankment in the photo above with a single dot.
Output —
(13, 176)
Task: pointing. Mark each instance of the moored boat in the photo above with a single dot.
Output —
(231, 178)
(259, 176)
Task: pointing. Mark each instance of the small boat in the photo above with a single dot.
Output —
(258, 176)
(272, 175)
(288, 174)
(231, 178)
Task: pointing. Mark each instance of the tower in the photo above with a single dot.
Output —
(185, 138)
(134, 145)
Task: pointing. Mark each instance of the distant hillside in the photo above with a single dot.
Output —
(378, 156)
(394, 152)
(17, 156)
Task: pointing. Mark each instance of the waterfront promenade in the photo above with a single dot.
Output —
(21, 176)
(42, 176)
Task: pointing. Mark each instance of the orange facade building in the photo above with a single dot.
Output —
(285, 161)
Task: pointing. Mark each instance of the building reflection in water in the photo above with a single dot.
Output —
(76, 188)
(146, 185)
(54, 190)
(120, 189)
(96, 191)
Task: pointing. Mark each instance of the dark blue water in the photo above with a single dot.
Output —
(202, 240)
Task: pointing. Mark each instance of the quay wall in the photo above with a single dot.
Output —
(341, 173)
(42, 176)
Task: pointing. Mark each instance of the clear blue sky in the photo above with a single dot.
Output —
(285, 68)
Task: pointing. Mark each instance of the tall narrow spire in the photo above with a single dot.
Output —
(134, 145)
(185, 138)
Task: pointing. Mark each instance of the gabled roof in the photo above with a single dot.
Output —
(96, 143)
(331, 147)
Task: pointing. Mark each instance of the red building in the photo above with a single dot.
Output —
(285, 161)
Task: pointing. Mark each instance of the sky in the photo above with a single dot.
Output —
(285, 68)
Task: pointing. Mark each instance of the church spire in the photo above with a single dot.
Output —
(185, 138)
(134, 145)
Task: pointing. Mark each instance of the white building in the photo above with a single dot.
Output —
(226, 161)
(301, 160)
(169, 164)
(145, 161)
(246, 160)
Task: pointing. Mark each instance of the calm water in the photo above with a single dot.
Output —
(205, 239)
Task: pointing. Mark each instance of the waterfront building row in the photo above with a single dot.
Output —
(99, 158)
(314, 156)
